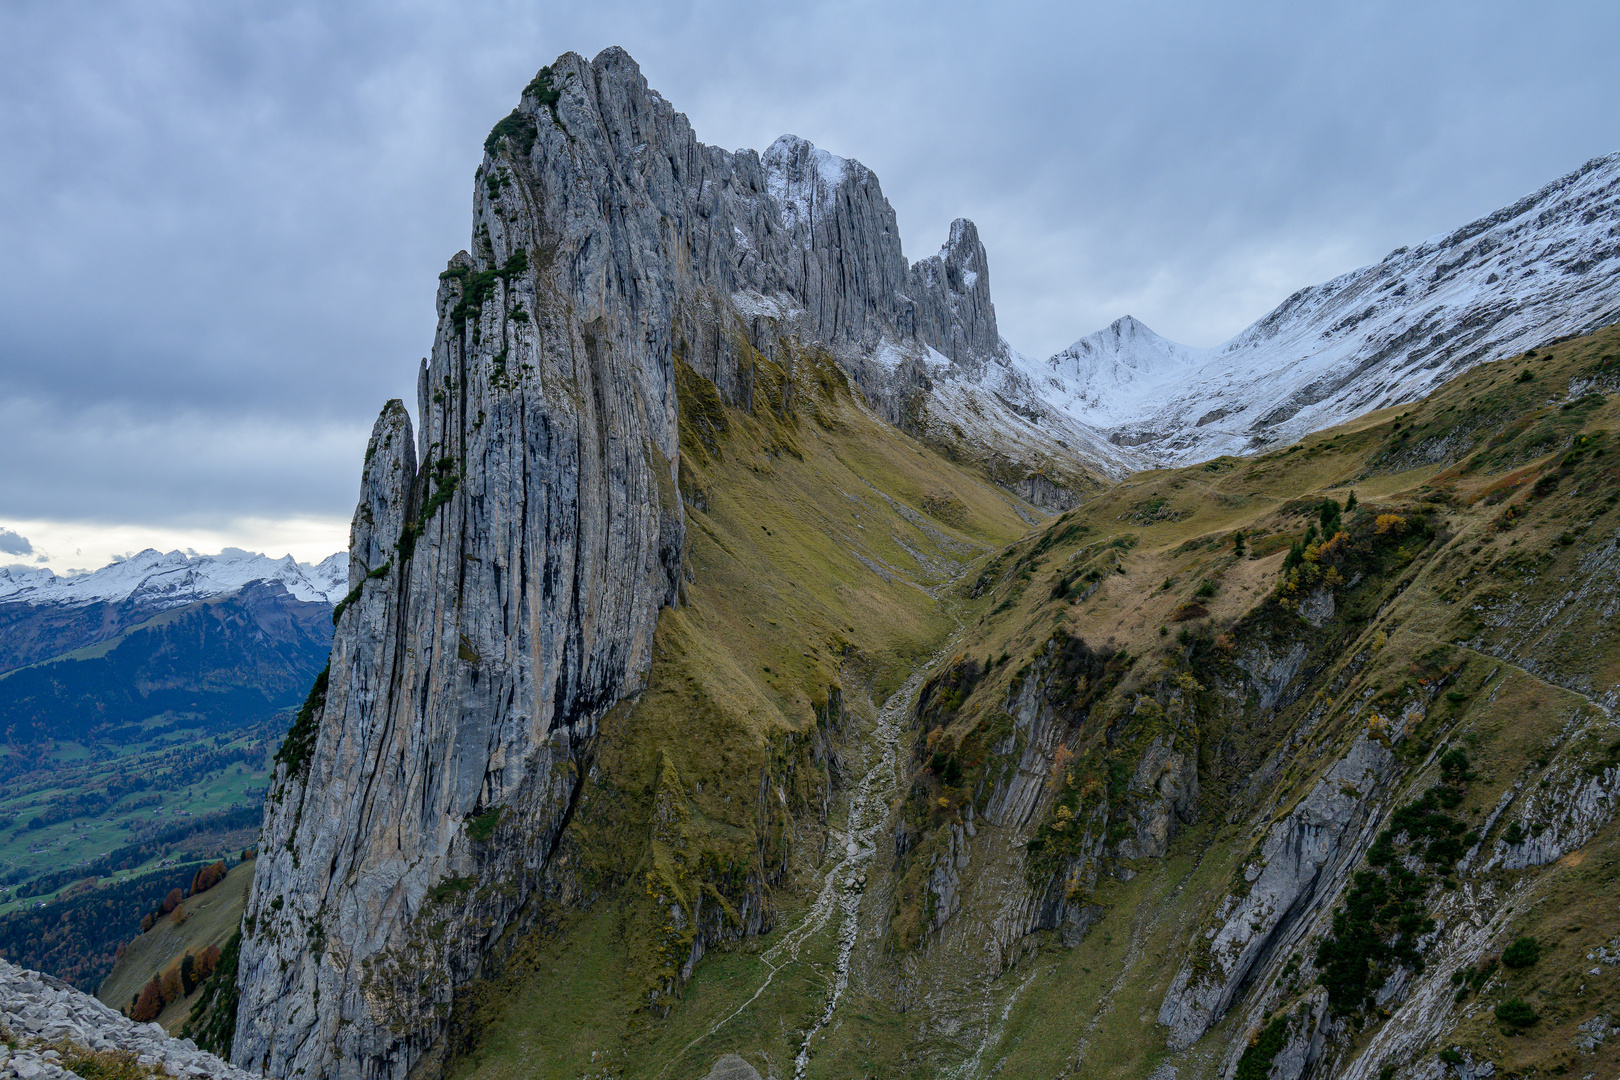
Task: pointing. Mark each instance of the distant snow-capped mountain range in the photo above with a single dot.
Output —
(156, 580)
(1124, 398)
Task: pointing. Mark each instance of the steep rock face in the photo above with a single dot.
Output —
(1295, 864)
(510, 558)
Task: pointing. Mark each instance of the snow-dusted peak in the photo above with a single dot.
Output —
(1544, 267)
(960, 265)
(1126, 342)
(1111, 373)
(801, 177)
(168, 579)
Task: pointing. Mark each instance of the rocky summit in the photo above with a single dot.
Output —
(750, 666)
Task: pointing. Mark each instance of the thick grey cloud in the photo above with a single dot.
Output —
(223, 221)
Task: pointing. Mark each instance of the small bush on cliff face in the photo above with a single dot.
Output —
(1377, 929)
(1255, 1064)
(541, 86)
(518, 130)
(1522, 953)
(300, 740)
(481, 827)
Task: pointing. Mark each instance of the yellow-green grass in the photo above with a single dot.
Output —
(778, 609)
(210, 918)
(820, 542)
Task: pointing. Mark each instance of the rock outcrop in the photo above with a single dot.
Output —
(57, 1031)
(509, 559)
(1292, 870)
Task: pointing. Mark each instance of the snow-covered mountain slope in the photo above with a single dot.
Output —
(1546, 267)
(160, 580)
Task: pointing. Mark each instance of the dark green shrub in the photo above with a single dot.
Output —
(543, 90)
(300, 740)
(482, 827)
(1255, 1064)
(1526, 376)
(518, 130)
(1516, 1011)
(1450, 1056)
(449, 889)
(1522, 953)
(212, 1023)
(1328, 513)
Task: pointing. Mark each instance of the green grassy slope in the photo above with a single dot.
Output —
(821, 549)
(1467, 606)
(211, 918)
(1479, 622)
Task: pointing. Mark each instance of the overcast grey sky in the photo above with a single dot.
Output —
(223, 222)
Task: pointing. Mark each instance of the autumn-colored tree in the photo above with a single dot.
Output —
(179, 915)
(149, 1002)
(147, 920)
(207, 877)
(169, 983)
(205, 963)
(172, 901)
(1060, 768)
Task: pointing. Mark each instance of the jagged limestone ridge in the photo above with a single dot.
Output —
(509, 560)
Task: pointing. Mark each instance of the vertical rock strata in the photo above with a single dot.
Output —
(510, 558)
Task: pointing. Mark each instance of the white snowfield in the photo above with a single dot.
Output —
(1546, 267)
(169, 580)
